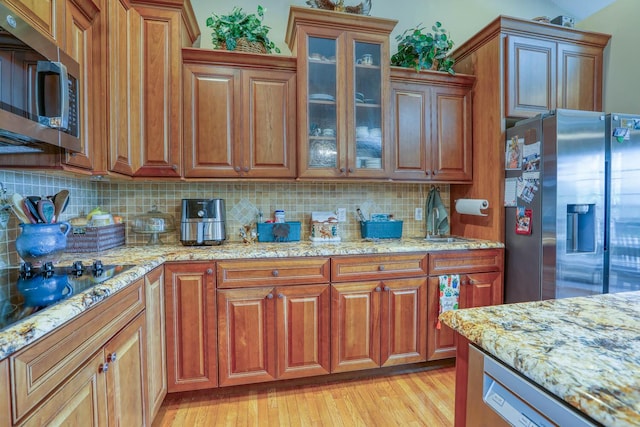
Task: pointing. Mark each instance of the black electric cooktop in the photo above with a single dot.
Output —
(27, 289)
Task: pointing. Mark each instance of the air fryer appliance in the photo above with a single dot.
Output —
(202, 222)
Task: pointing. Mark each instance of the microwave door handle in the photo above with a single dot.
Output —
(64, 93)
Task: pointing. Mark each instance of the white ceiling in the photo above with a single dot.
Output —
(582, 8)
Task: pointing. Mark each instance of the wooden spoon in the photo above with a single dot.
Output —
(46, 210)
(27, 211)
(32, 205)
(17, 206)
(60, 201)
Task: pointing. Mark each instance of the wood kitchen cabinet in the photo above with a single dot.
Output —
(90, 369)
(165, 29)
(343, 93)
(431, 125)
(190, 312)
(156, 351)
(47, 17)
(481, 284)
(5, 396)
(81, 43)
(124, 64)
(279, 330)
(380, 319)
(239, 115)
(522, 68)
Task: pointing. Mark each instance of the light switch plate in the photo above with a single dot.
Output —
(417, 215)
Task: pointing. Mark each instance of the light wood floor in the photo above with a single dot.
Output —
(424, 398)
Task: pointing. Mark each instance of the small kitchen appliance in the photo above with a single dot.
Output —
(202, 222)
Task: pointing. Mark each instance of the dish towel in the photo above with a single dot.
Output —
(449, 294)
(442, 222)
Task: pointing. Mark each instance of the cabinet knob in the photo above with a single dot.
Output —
(104, 367)
(275, 273)
(435, 173)
(280, 295)
(428, 172)
(387, 289)
(209, 271)
(342, 170)
(381, 268)
(464, 282)
(269, 295)
(237, 168)
(350, 170)
(246, 169)
(174, 167)
(111, 358)
(378, 289)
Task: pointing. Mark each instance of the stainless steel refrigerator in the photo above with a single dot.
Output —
(572, 200)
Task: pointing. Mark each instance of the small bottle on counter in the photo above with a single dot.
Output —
(279, 215)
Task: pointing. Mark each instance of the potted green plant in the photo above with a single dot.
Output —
(241, 31)
(420, 50)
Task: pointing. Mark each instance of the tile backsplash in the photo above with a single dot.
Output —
(243, 201)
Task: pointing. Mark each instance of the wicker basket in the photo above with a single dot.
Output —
(94, 239)
(244, 45)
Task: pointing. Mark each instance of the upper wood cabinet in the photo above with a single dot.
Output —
(239, 115)
(431, 125)
(343, 93)
(162, 38)
(522, 68)
(46, 16)
(81, 43)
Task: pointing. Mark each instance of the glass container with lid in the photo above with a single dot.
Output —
(154, 223)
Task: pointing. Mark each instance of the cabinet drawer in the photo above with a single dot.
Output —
(269, 272)
(39, 368)
(373, 267)
(461, 262)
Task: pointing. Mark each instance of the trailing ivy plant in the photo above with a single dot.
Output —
(227, 29)
(420, 50)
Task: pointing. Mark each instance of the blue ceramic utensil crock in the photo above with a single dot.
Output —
(40, 243)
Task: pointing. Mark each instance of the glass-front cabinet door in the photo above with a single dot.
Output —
(343, 93)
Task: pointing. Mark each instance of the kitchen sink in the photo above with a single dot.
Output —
(445, 239)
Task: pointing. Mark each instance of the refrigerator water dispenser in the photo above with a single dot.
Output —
(581, 228)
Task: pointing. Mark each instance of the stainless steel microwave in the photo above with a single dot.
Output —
(39, 90)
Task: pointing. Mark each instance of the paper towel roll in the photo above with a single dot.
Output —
(471, 206)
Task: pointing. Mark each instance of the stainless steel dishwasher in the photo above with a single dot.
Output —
(499, 396)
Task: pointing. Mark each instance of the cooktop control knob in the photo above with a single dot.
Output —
(47, 269)
(77, 268)
(26, 270)
(200, 213)
(97, 268)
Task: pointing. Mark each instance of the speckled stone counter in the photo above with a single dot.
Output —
(584, 350)
(146, 258)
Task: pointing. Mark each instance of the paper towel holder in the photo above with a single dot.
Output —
(471, 206)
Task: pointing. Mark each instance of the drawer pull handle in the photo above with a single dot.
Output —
(381, 268)
(387, 289)
(104, 367)
(269, 295)
(275, 273)
(111, 358)
(280, 295)
(209, 271)
(378, 289)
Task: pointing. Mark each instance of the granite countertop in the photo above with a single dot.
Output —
(585, 350)
(146, 258)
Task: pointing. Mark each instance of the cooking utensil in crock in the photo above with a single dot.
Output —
(31, 215)
(46, 210)
(17, 206)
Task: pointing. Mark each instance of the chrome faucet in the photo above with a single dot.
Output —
(435, 216)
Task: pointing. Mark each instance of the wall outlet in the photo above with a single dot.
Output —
(417, 215)
(342, 214)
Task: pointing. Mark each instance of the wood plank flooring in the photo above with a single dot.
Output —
(420, 398)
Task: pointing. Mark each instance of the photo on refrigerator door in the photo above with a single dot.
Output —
(513, 155)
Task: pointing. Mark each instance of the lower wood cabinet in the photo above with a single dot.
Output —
(271, 333)
(156, 341)
(477, 289)
(378, 323)
(5, 397)
(191, 326)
